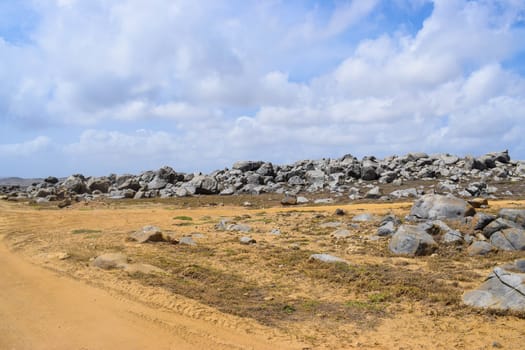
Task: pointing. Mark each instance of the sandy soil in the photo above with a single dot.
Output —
(221, 295)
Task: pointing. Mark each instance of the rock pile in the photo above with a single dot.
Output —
(346, 175)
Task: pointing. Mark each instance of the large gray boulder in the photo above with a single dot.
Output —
(412, 240)
(435, 206)
(101, 184)
(498, 225)
(369, 169)
(75, 183)
(479, 248)
(205, 184)
(511, 239)
(515, 215)
(246, 165)
(504, 289)
(157, 183)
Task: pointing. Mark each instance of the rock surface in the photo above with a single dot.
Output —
(412, 240)
(504, 289)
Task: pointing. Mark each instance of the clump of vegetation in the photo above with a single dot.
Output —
(183, 217)
(84, 231)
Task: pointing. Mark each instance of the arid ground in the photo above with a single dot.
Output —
(220, 294)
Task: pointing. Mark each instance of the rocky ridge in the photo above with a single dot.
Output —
(346, 176)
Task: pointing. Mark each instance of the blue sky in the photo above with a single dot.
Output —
(99, 86)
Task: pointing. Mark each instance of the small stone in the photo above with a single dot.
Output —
(342, 233)
(326, 258)
(289, 199)
(247, 240)
(340, 212)
(275, 231)
(239, 228)
(478, 202)
(187, 241)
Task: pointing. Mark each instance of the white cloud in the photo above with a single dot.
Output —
(26, 148)
(270, 80)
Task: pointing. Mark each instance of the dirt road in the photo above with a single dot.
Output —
(40, 309)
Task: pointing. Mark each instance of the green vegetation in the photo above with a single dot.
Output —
(84, 231)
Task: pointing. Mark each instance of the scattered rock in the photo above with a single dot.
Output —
(479, 248)
(434, 206)
(239, 228)
(340, 212)
(366, 217)
(331, 224)
(374, 193)
(326, 258)
(341, 233)
(502, 290)
(186, 240)
(514, 215)
(247, 240)
(412, 240)
(481, 220)
(511, 239)
(148, 234)
(387, 229)
(478, 202)
(110, 261)
(289, 200)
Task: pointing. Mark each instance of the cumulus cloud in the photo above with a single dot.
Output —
(26, 148)
(274, 80)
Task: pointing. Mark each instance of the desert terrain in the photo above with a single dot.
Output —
(212, 291)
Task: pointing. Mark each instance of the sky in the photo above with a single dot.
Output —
(102, 86)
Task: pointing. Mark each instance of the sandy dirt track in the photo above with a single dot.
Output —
(40, 309)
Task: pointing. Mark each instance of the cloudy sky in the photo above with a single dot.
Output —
(102, 86)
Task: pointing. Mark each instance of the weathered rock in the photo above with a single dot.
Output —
(246, 165)
(76, 184)
(481, 220)
(509, 239)
(368, 169)
(515, 215)
(387, 229)
(478, 202)
(98, 184)
(412, 240)
(327, 258)
(51, 180)
(479, 248)
(502, 290)
(186, 240)
(341, 233)
(289, 199)
(247, 240)
(374, 193)
(148, 234)
(331, 224)
(448, 235)
(239, 228)
(365, 217)
(434, 206)
(110, 261)
(498, 225)
(157, 183)
(340, 212)
(205, 184)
